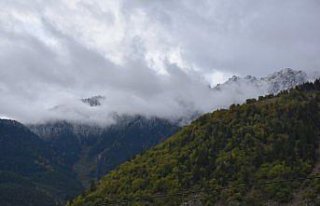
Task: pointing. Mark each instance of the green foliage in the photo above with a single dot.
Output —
(229, 156)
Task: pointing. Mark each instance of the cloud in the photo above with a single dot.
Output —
(145, 57)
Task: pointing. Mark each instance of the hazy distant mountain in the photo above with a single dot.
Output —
(31, 172)
(235, 90)
(98, 109)
(94, 150)
(271, 84)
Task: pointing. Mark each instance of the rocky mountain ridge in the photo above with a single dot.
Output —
(272, 84)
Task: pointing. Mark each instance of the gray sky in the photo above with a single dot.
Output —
(146, 57)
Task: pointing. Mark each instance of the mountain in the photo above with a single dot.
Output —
(265, 151)
(31, 172)
(99, 109)
(284, 80)
(93, 101)
(271, 84)
(92, 151)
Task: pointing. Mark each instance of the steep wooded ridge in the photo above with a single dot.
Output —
(31, 173)
(227, 157)
(53, 168)
(92, 151)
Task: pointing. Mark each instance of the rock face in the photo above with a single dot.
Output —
(93, 150)
(271, 84)
(93, 101)
(284, 80)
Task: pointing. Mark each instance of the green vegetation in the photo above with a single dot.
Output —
(228, 156)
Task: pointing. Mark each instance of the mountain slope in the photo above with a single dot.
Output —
(92, 151)
(227, 157)
(31, 173)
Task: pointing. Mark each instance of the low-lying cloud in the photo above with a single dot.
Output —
(156, 58)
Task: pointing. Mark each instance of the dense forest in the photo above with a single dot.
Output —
(92, 151)
(265, 150)
(48, 170)
(31, 172)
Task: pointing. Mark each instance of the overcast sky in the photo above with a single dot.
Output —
(144, 56)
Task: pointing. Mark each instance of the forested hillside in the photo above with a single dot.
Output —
(92, 151)
(31, 173)
(250, 154)
(49, 171)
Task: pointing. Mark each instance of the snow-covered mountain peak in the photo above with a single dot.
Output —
(287, 74)
(282, 80)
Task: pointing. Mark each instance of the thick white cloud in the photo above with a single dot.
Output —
(149, 57)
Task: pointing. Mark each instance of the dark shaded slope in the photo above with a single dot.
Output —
(228, 155)
(31, 173)
(93, 151)
(121, 142)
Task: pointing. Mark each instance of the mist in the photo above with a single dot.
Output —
(152, 58)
